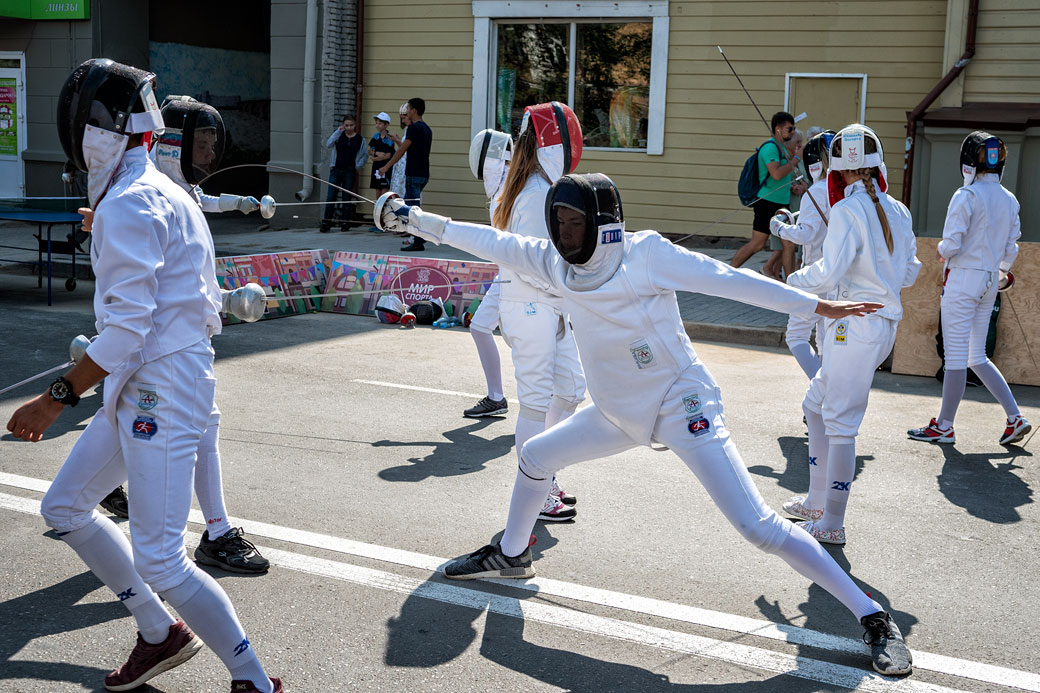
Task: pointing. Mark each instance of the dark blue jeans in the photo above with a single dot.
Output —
(413, 187)
(344, 178)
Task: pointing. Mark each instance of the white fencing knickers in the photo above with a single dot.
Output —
(545, 359)
(161, 416)
(967, 304)
(851, 350)
(486, 317)
(799, 329)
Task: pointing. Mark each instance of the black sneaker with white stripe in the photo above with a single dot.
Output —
(487, 407)
(890, 654)
(490, 562)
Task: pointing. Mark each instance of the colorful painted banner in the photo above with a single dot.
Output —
(411, 278)
(300, 273)
(8, 116)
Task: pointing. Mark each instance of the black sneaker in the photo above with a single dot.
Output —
(490, 562)
(414, 248)
(231, 552)
(116, 502)
(487, 407)
(890, 654)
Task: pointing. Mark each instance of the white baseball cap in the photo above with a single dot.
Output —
(382, 115)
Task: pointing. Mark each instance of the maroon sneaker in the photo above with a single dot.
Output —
(248, 687)
(148, 661)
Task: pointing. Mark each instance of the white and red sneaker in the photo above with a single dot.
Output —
(1016, 430)
(796, 508)
(932, 433)
(824, 536)
(555, 510)
(565, 498)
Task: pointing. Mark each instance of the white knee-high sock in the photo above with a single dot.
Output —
(806, 357)
(994, 381)
(209, 487)
(207, 610)
(804, 554)
(841, 467)
(819, 444)
(953, 393)
(106, 551)
(490, 361)
(528, 498)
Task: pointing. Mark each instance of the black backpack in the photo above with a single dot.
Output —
(749, 183)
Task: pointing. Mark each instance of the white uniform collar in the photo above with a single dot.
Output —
(854, 187)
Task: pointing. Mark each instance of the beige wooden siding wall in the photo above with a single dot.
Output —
(425, 48)
(1007, 53)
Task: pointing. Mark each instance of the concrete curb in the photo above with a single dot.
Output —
(735, 334)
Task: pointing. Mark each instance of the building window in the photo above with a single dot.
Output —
(607, 61)
(600, 69)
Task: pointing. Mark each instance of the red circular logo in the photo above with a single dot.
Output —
(421, 284)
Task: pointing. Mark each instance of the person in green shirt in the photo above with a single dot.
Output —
(774, 166)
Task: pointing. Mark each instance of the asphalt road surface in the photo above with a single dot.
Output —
(348, 462)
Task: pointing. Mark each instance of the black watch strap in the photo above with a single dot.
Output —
(61, 391)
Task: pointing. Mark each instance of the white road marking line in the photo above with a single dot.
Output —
(434, 390)
(561, 617)
(795, 635)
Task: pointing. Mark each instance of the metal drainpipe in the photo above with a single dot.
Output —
(308, 98)
(913, 116)
(359, 62)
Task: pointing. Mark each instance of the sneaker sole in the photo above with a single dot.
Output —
(187, 652)
(899, 672)
(513, 573)
(556, 518)
(1018, 436)
(202, 558)
(940, 441)
(496, 412)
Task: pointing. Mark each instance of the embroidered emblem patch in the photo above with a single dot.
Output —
(144, 427)
(839, 332)
(642, 353)
(698, 426)
(149, 399)
(531, 309)
(692, 403)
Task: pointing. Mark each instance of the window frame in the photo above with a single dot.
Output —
(487, 14)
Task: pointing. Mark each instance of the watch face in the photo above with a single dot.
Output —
(59, 390)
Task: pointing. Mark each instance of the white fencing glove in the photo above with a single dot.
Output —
(245, 205)
(392, 214)
(78, 347)
(783, 217)
(247, 303)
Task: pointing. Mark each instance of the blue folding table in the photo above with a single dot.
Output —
(49, 211)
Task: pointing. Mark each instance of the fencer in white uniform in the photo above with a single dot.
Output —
(549, 379)
(979, 245)
(489, 160)
(645, 379)
(808, 231)
(157, 304)
(869, 254)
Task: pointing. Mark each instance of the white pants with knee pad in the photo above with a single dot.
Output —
(851, 350)
(154, 449)
(486, 317)
(967, 304)
(694, 429)
(545, 359)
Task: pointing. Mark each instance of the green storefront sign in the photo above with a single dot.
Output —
(8, 117)
(44, 9)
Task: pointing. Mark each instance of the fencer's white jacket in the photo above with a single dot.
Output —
(527, 218)
(856, 264)
(635, 310)
(811, 228)
(156, 291)
(982, 226)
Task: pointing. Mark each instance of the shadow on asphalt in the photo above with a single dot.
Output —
(52, 610)
(795, 474)
(461, 453)
(983, 485)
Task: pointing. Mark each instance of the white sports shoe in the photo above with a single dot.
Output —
(1016, 430)
(824, 536)
(796, 508)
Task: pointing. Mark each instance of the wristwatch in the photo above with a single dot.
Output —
(61, 391)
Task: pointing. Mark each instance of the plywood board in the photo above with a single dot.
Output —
(1018, 331)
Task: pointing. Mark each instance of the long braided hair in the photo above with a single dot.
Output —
(868, 176)
(522, 165)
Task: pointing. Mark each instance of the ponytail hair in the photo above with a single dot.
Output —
(522, 165)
